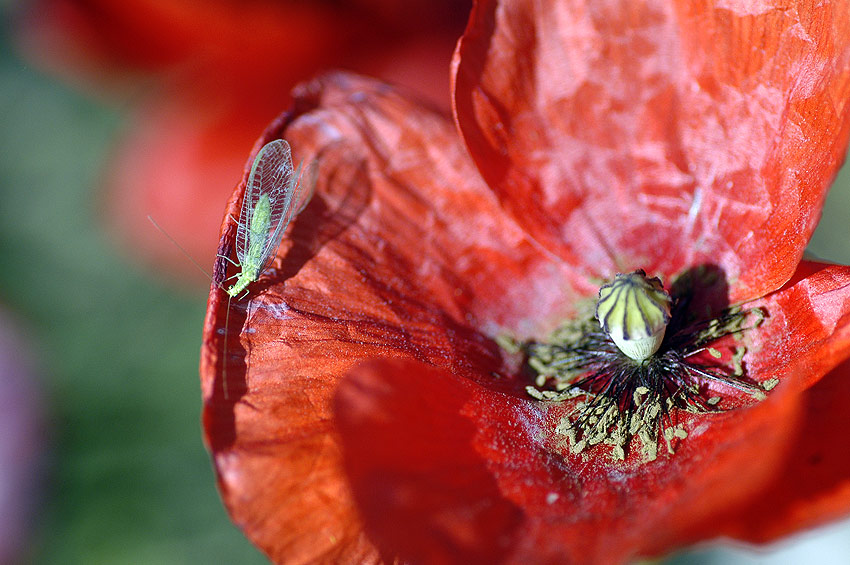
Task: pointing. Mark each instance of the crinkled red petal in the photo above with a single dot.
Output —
(441, 466)
(812, 483)
(426, 493)
(806, 335)
(660, 135)
(808, 319)
(403, 252)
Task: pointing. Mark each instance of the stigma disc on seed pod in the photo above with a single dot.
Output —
(634, 311)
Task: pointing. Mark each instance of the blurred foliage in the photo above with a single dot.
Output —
(831, 241)
(130, 480)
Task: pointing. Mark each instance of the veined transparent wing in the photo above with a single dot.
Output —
(271, 174)
(284, 207)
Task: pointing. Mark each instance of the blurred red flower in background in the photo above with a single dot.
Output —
(204, 78)
(371, 415)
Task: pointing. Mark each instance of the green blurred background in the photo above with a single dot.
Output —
(129, 479)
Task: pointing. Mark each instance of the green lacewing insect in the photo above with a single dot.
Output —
(273, 196)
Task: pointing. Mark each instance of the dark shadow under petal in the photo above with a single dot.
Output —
(424, 492)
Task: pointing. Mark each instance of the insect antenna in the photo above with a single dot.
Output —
(219, 285)
(182, 250)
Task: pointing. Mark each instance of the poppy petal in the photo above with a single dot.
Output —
(577, 508)
(426, 206)
(812, 485)
(807, 331)
(402, 252)
(804, 344)
(443, 467)
(425, 491)
(399, 273)
(659, 135)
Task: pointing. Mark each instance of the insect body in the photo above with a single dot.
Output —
(252, 260)
(274, 195)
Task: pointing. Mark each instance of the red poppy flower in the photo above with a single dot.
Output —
(204, 78)
(369, 413)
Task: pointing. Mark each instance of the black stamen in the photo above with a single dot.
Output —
(619, 398)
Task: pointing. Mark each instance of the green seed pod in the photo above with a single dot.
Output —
(634, 311)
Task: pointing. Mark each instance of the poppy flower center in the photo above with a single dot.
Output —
(628, 371)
